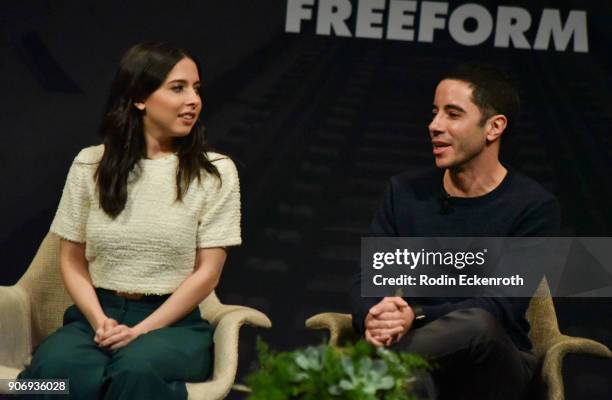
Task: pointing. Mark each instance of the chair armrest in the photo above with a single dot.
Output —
(15, 326)
(553, 360)
(7, 373)
(340, 326)
(257, 317)
(226, 351)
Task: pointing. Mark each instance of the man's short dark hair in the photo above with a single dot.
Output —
(493, 91)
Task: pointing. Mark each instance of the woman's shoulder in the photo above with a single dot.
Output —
(224, 163)
(90, 155)
(215, 157)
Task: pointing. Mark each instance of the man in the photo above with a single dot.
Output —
(480, 344)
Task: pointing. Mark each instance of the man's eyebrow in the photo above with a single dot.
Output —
(453, 107)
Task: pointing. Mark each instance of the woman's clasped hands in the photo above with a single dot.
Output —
(113, 336)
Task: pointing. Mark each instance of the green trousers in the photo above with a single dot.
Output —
(155, 365)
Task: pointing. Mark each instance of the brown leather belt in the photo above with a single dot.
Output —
(130, 296)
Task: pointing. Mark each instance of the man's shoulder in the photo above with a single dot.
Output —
(538, 211)
(530, 189)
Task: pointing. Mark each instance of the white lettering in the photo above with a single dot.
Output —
(296, 12)
(512, 23)
(399, 20)
(475, 280)
(550, 25)
(428, 20)
(457, 20)
(333, 15)
(415, 259)
(377, 260)
(441, 280)
(389, 258)
(367, 17)
(509, 28)
(400, 280)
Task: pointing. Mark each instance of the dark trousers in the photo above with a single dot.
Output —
(153, 366)
(475, 357)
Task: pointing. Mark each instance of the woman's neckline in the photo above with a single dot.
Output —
(166, 157)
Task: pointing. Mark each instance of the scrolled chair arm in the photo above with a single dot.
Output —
(553, 361)
(228, 319)
(340, 326)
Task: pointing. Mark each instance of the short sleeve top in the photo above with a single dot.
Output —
(150, 246)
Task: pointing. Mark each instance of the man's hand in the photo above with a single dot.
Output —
(388, 321)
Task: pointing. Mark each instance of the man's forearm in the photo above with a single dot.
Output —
(501, 308)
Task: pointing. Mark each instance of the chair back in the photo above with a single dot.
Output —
(43, 283)
(543, 320)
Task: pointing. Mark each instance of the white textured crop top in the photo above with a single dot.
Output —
(150, 246)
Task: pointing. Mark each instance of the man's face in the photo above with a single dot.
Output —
(455, 132)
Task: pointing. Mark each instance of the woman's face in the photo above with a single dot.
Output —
(172, 110)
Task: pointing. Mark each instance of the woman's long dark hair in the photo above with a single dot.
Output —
(142, 70)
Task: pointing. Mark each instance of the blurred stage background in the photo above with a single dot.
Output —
(316, 124)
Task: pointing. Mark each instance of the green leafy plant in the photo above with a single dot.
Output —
(354, 372)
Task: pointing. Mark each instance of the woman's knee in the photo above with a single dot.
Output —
(49, 368)
(131, 364)
(84, 383)
(52, 361)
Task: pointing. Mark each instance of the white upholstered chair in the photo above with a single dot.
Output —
(33, 308)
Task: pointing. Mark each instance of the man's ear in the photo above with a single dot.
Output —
(139, 105)
(496, 125)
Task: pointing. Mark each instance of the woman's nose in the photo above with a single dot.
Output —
(194, 98)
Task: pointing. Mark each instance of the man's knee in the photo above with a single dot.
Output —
(480, 326)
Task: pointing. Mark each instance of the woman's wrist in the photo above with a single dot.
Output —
(98, 321)
(140, 329)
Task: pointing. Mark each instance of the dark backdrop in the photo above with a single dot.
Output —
(316, 124)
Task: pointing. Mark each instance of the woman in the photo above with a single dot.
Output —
(144, 221)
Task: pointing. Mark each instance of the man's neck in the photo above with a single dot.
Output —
(473, 182)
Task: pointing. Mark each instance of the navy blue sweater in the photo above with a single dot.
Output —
(419, 206)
